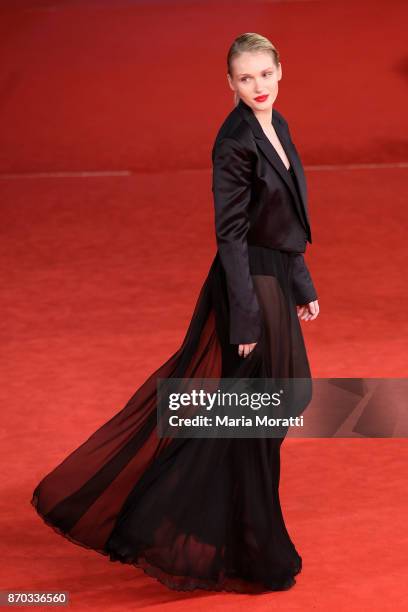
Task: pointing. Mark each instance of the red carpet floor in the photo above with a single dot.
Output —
(108, 114)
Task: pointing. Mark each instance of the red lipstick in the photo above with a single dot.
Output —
(262, 98)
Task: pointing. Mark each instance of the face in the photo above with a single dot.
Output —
(255, 74)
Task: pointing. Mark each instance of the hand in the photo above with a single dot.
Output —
(245, 349)
(309, 311)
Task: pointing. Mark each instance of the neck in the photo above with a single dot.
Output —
(264, 116)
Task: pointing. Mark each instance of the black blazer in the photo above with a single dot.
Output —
(256, 201)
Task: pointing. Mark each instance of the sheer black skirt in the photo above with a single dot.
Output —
(193, 513)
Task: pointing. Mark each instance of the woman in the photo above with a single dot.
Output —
(205, 513)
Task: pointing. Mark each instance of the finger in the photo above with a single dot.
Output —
(314, 314)
(307, 315)
(242, 350)
(316, 309)
(250, 348)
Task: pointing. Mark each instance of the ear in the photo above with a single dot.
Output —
(279, 71)
(230, 82)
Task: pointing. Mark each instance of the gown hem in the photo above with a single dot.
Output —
(153, 571)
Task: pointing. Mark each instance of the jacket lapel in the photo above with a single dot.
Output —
(273, 157)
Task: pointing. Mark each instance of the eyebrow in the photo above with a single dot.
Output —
(247, 74)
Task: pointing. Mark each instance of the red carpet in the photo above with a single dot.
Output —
(90, 261)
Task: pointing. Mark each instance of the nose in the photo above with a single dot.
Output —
(258, 85)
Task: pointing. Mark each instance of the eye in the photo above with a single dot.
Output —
(244, 79)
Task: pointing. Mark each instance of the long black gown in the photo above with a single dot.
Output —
(193, 513)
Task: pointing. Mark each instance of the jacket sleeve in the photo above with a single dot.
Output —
(302, 283)
(231, 186)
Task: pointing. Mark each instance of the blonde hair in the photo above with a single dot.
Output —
(252, 42)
